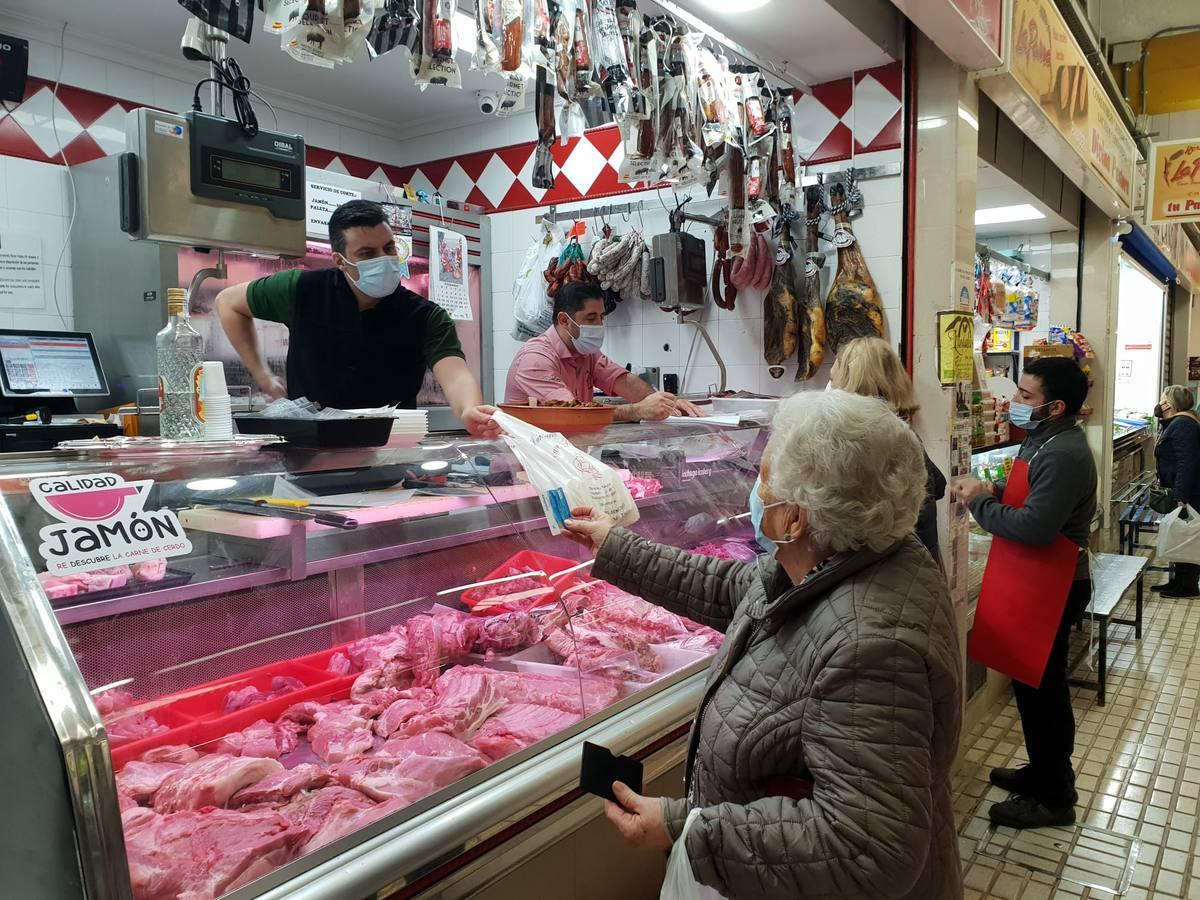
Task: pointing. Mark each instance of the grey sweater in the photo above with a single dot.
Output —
(1062, 491)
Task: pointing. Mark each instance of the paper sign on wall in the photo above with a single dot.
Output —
(21, 283)
(956, 347)
(448, 273)
(322, 200)
(101, 522)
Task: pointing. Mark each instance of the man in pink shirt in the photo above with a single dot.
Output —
(565, 364)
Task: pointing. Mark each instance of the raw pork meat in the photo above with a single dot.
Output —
(283, 785)
(345, 816)
(125, 802)
(462, 705)
(262, 739)
(545, 690)
(376, 649)
(150, 570)
(517, 592)
(435, 758)
(211, 781)
(441, 638)
(250, 695)
(707, 640)
(507, 631)
(201, 855)
(141, 779)
(643, 488)
(727, 548)
(380, 778)
(174, 753)
(112, 701)
(603, 654)
(57, 587)
(104, 579)
(396, 675)
(635, 619)
(517, 726)
(338, 734)
(416, 700)
(301, 715)
(339, 664)
(126, 727)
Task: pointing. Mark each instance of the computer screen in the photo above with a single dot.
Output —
(49, 363)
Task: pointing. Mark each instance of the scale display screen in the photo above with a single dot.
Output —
(249, 173)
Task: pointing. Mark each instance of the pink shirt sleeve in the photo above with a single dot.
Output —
(606, 374)
(535, 374)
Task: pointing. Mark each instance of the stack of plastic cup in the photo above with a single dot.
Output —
(214, 398)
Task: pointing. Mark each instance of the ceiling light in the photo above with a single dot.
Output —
(931, 122)
(735, 6)
(967, 117)
(998, 215)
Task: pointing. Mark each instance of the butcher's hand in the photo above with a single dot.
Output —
(968, 489)
(588, 527)
(686, 408)
(479, 421)
(638, 818)
(658, 405)
(272, 385)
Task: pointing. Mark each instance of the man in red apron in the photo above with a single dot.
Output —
(1037, 585)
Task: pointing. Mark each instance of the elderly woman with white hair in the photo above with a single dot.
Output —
(819, 763)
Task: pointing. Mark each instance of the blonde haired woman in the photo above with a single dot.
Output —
(1177, 454)
(870, 367)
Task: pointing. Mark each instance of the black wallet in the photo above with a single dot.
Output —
(601, 768)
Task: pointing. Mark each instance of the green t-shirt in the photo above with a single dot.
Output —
(274, 299)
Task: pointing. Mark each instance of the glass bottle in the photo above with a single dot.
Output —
(180, 355)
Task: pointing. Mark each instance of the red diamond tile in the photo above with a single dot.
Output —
(516, 156)
(317, 157)
(887, 139)
(474, 163)
(15, 142)
(85, 106)
(836, 96)
(436, 171)
(403, 175)
(605, 139)
(83, 149)
(835, 147)
(517, 198)
(891, 76)
(357, 166)
(478, 198)
(560, 151)
(607, 183)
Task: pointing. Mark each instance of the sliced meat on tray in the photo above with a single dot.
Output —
(175, 753)
(141, 779)
(202, 855)
(507, 632)
(112, 701)
(517, 726)
(251, 696)
(283, 785)
(545, 690)
(393, 675)
(128, 726)
(377, 649)
(339, 734)
(413, 702)
(435, 758)
(462, 704)
(438, 639)
(263, 739)
(211, 781)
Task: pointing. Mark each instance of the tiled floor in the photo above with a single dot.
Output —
(1138, 761)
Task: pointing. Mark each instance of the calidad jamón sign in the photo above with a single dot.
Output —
(101, 521)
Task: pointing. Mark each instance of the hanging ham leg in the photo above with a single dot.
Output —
(853, 308)
(812, 307)
(782, 321)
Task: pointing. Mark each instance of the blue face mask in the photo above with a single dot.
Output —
(378, 277)
(1021, 415)
(757, 508)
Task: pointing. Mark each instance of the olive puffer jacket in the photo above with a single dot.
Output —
(850, 681)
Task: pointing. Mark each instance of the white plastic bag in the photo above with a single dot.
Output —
(680, 883)
(1179, 538)
(565, 476)
(532, 309)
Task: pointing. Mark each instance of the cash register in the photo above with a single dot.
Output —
(42, 373)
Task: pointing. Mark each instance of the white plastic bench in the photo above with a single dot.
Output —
(1112, 574)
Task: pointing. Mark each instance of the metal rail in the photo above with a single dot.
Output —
(985, 250)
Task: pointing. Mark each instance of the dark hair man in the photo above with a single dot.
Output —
(566, 364)
(1037, 584)
(356, 337)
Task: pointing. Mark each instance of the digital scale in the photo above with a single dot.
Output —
(199, 180)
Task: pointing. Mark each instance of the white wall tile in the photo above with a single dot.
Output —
(4, 160)
(51, 228)
(623, 345)
(502, 309)
(176, 96)
(63, 289)
(698, 379)
(85, 71)
(6, 320)
(36, 321)
(504, 348)
(742, 378)
(661, 346)
(322, 134)
(740, 341)
(34, 186)
(354, 142)
(887, 271)
(128, 83)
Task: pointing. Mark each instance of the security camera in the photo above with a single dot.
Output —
(488, 102)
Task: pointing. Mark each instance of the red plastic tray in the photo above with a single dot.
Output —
(181, 731)
(526, 560)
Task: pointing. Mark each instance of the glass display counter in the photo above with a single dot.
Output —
(218, 693)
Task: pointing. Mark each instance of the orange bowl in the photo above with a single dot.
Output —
(563, 419)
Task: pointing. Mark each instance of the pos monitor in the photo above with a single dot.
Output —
(50, 364)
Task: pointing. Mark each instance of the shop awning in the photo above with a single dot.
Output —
(1142, 249)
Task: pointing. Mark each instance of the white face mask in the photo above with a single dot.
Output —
(590, 339)
(377, 277)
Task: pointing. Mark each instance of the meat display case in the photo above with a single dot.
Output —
(273, 642)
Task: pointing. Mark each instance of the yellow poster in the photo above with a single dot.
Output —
(956, 347)
(1049, 65)
(1174, 182)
